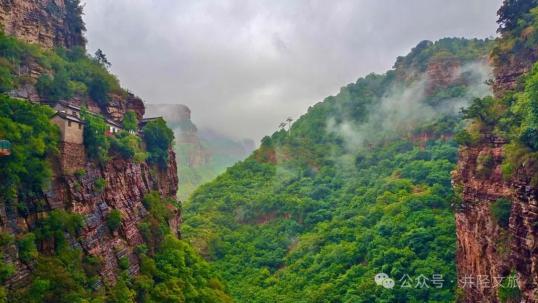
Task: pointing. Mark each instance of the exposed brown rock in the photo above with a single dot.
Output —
(127, 183)
(480, 239)
(508, 69)
(42, 22)
(118, 105)
(484, 248)
(442, 73)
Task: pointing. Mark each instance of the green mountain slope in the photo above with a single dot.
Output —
(359, 185)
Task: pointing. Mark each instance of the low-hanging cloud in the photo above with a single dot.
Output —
(243, 66)
(404, 107)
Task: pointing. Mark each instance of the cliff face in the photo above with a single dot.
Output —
(49, 23)
(126, 184)
(77, 182)
(487, 251)
(484, 248)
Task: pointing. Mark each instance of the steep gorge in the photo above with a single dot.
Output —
(359, 185)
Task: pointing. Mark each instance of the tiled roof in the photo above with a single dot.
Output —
(69, 117)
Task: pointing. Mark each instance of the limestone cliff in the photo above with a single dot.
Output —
(49, 23)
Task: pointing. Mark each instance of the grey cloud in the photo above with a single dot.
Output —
(243, 66)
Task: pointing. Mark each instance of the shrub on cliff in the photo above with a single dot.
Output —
(158, 138)
(500, 210)
(127, 146)
(95, 140)
(72, 71)
(178, 274)
(484, 165)
(54, 88)
(130, 122)
(34, 138)
(113, 220)
(27, 247)
(56, 225)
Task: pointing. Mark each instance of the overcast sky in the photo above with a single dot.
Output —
(244, 66)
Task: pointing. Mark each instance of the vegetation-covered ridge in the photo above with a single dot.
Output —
(357, 186)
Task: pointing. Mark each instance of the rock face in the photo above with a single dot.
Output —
(119, 105)
(75, 185)
(442, 73)
(49, 23)
(486, 250)
(126, 184)
(512, 67)
(482, 251)
(178, 117)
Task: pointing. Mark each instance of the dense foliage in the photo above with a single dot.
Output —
(500, 210)
(513, 117)
(170, 272)
(96, 142)
(158, 138)
(130, 122)
(34, 138)
(100, 144)
(72, 71)
(351, 190)
(512, 11)
(518, 20)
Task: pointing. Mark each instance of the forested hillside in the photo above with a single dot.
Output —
(358, 185)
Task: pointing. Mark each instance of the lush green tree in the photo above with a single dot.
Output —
(34, 138)
(512, 11)
(158, 138)
(127, 146)
(95, 140)
(113, 219)
(130, 121)
(56, 88)
(500, 210)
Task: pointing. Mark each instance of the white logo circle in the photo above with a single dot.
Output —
(388, 283)
(380, 277)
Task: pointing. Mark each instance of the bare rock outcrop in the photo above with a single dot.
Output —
(50, 23)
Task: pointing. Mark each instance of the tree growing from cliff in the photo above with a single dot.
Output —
(95, 140)
(113, 220)
(101, 58)
(130, 122)
(158, 138)
(27, 126)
